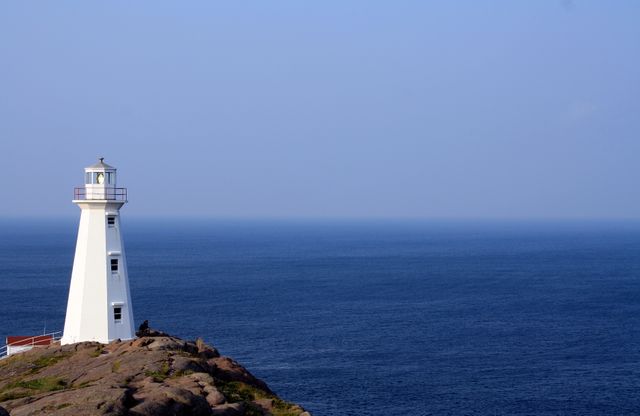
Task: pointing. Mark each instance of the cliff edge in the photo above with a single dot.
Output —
(156, 375)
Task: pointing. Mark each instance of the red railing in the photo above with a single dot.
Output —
(111, 194)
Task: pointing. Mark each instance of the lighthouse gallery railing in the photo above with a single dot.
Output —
(110, 194)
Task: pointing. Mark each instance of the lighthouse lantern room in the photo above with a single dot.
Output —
(99, 305)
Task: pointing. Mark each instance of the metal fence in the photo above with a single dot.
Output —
(30, 342)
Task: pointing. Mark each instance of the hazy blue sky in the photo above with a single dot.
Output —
(475, 109)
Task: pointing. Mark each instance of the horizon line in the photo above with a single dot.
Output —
(10, 217)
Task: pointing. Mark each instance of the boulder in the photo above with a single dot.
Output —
(231, 409)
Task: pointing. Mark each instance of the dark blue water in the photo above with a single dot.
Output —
(389, 318)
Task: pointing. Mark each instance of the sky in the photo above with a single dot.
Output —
(329, 109)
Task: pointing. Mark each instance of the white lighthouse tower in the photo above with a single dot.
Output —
(99, 306)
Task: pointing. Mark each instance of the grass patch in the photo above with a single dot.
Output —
(41, 384)
(181, 373)
(160, 375)
(48, 361)
(84, 384)
(26, 388)
(282, 408)
(115, 367)
(13, 395)
(236, 391)
(97, 352)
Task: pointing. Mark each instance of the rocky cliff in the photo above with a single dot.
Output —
(152, 375)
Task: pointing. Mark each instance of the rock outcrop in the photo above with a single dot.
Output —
(156, 374)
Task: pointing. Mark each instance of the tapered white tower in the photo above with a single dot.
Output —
(99, 306)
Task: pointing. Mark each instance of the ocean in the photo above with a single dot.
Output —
(375, 317)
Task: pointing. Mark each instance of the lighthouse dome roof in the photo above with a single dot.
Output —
(101, 165)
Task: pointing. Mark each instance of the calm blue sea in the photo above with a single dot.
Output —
(376, 318)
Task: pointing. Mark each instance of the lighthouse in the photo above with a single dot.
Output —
(99, 305)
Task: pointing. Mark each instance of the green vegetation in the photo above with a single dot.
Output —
(26, 388)
(41, 384)
(181, 373)
(236, 391)
(12, 395)
(97, 352)
(282, 408)
(43, 362)
(160, 375)
(115, 367)
(83, 384)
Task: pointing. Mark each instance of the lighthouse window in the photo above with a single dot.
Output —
(114, 265)
(117, 314)
(109, 177)
(87, 177)
(111, 221)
